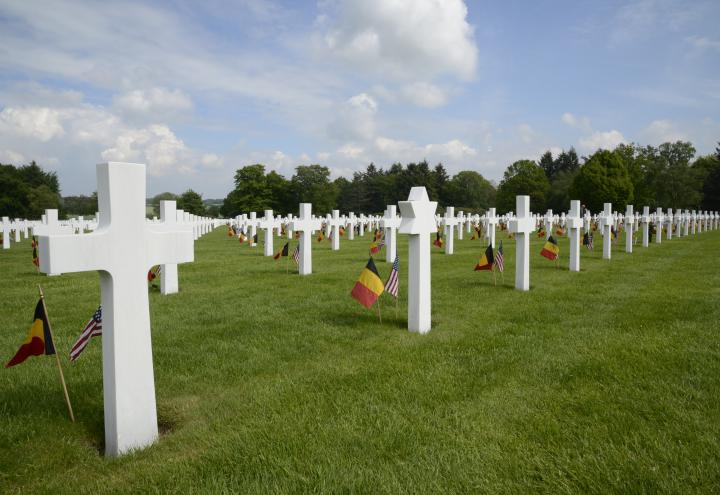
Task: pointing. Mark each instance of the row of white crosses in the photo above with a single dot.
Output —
(124, 246)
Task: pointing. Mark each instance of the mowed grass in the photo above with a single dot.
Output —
(607, 380)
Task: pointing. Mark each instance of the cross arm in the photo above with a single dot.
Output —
(169, 244)
(68, 253)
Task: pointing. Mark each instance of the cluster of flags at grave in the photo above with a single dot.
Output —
(550, 250)
(369, 286)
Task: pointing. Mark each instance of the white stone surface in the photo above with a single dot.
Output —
(629, 225)
(306, 225)
(522, 225)
(574, 223)
(122, 250)
(169, 271)
(418, 221)
(390, 223)
(607, 221)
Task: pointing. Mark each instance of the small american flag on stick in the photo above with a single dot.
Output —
(391, 287)
(92, 329)
(296, 254)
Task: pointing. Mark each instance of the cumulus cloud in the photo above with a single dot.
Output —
(155, 145)
(154, 103)
(403, 38)
(661, 131)
(355, 119)
(582, 123)
(41, 123)
(424, 94)
(602, 140)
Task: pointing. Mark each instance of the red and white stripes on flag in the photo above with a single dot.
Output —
(92, 329)
(391, 286)
(500, 259)
(296, 255)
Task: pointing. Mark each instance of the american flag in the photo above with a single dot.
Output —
(296, 254)
(92, 329)
(500, 259)
(391, 287)
(590, 242)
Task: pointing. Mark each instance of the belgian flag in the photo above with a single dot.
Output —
(320, 236)
(282, 252)
(487, 260)
(438, 239)
(39, 339)
(369, 286)
(550, 250)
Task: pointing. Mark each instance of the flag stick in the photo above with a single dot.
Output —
(397, 304)
(494, 276)
(379, 315)
(57, 358)
(287, 264)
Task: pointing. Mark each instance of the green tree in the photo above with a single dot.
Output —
(40, 199)
(524, 177)
(441, 178)
(281, 200)
(251, 192)
(603, 179)
(80, 205)
(311, 184)
(470, 191)
(191, 202)
(707, 170)
(548, 165)
(13, 193)
(34, 176)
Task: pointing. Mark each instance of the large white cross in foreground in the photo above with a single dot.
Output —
(306, 225)
(122, 249)
(418, 220)
(521, 225)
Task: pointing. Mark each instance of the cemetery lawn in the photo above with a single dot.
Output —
(607, 380)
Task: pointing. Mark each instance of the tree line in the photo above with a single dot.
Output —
(668, 176)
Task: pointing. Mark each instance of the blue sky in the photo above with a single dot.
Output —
(198, 89)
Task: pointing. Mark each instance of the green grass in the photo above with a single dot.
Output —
(607, 380)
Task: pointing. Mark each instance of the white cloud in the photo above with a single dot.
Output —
(602, 140)
(661, 131)
(454, 150)
(355, 119)
(155, 145)
(11, 157)
(40, 123)
(582, 123)
(526, 133)
(424, 94)
(155, 103)
(211, 160)
(402, 38)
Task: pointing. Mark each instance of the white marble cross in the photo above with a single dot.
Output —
(449, 221)
(306, 225)
(607, 220)
(169, 271)
(491, 221)
(334, 223)
(252, 224)
(548, 220)
(686, 224)
(361, 225)
(659, 222)
(461, 222)
(352, 221)
(390, 223)
(575, 224)
(268, 223)
(122, 249)
(418, 220)
(645, 221)
(629, 225)
(522, 225)
(669, 223)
